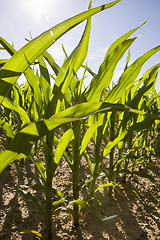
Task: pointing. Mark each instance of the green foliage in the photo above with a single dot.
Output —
(126, 115)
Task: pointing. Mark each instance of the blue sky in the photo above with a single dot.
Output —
(18, 17)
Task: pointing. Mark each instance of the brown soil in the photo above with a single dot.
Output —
(137, 218)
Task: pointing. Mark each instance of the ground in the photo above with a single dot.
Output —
(137, 217)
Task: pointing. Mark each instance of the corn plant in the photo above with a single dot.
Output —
(127, 126)
(95, 113)
(51, 103)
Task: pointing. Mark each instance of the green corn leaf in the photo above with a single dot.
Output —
(58, 193)
(96, 214)
(139, 97)
(146, 74)
(81, 82)
(132, 89)
(145, 124)
(145, 89)
(111, 184)
(40, 166)
(7, 103)
(34, 83)
(2, 62)
(129, 76)
(32, 231)
(89, 70)
(17, 92)
(60, 151)
(120, 40)
(47, 152)
(87, 180)
(103, 78)
(66, 210)
(41, 187)
(68, 70)
(37, 187)
(88, 135)
(7, 46)
(125, 171)
(20, 61)
(84, 110)
(29, 73)
(152, 78)
(55, 203)
(51, 62)
(137, 100)
(66, 138)
(143, 175)
(7, 128)
(23, 141)
(111, 144)
(88, 162)
(44, 80)
(35, 111)
(124, 185)
(35, 203)
(128, 57)
(65, 53)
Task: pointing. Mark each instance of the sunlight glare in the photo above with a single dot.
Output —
(37, 9)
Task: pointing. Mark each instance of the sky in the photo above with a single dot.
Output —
(19, 17)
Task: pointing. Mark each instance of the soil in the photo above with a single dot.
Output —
(137, 217)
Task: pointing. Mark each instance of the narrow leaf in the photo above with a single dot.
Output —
(32, 231)
(120, 40)
(129, 76)
(66, 138)
(143, 175)
(20, 61)
(23, 141)
(51, 62)
(111, 184)
(35, 203)
(111, 144)
(7, 128)
(103, 78)
(96, 214)
(34, 83)
(44, 80)
(39, 165)
(7, 103)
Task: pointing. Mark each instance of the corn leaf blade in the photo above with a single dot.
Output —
(20, 61)
(23, 141)
(7, 103)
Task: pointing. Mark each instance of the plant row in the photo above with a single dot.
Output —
(69, 115)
